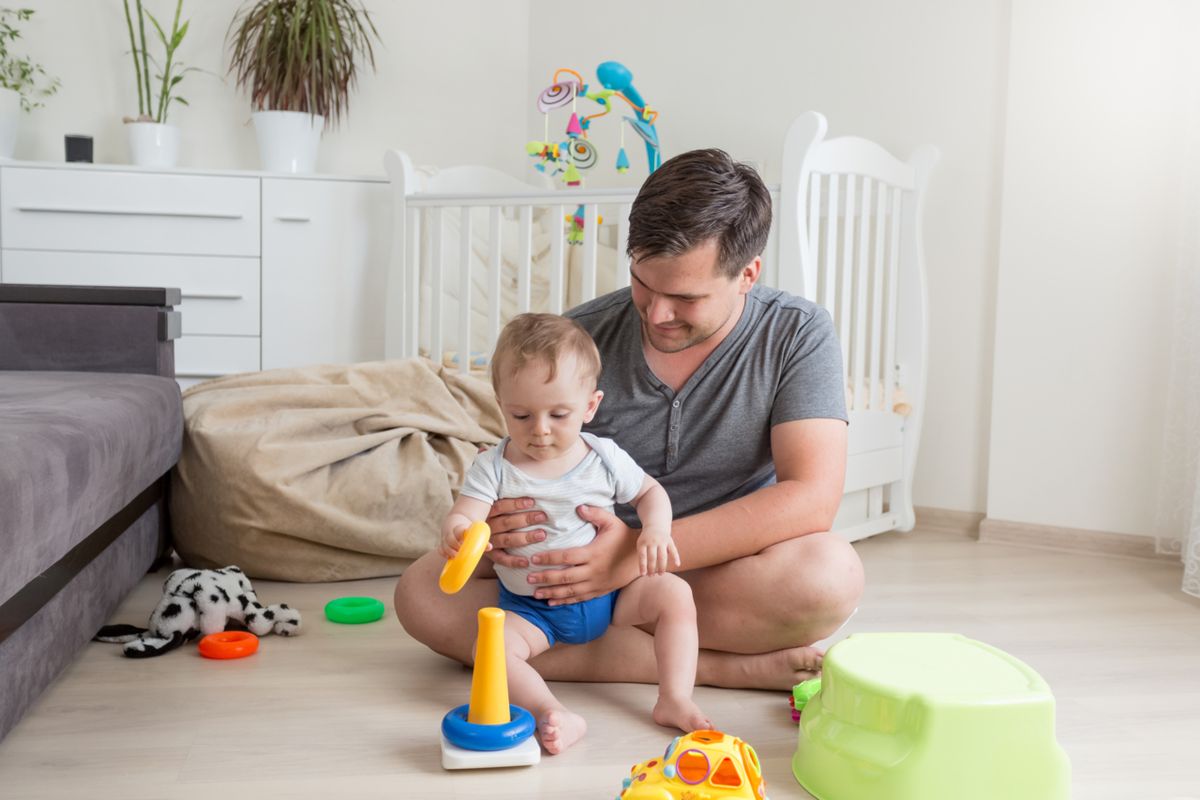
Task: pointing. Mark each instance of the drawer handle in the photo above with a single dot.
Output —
(212, 296)
(283, 218)
(127, 212)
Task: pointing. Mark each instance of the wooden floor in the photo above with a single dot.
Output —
(353, 711)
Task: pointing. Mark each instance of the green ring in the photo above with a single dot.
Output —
(353, 610)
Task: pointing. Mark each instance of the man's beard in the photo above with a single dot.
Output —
(675, 345)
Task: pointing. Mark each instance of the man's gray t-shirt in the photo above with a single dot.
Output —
(711, 442)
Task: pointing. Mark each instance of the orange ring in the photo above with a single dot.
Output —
(230, 644)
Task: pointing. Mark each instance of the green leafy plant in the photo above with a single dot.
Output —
(301, 55)
(152, 108)
(20, 74)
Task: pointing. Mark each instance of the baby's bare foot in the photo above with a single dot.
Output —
(559, 729)
(680, 712)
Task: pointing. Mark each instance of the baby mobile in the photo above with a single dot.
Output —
(567, 158)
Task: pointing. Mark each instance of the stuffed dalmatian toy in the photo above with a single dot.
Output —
(199, 602)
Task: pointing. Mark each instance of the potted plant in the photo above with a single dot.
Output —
(22, 83)
(152, 141)
(299, 60)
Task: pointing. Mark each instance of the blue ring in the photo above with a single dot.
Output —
(470, 736)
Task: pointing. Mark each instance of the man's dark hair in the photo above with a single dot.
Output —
(696, 197)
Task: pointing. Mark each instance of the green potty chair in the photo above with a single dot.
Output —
(929, 716)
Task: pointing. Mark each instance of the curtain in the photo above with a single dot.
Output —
(1178, 508)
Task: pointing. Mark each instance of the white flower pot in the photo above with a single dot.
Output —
(152, 144)
(10, 121)
(288, 140)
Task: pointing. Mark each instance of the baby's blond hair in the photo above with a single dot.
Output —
(545, 338)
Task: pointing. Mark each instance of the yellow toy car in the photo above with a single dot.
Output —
(703, 765)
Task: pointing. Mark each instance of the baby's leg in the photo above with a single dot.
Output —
(558, 728)
(666, 602)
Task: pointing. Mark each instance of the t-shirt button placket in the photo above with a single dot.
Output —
(673, 438)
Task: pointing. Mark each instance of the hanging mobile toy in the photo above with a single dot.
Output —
(565, 159)
(616, 77)
(622, 159)
(575, 231)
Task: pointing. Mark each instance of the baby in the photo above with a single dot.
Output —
(544, 371)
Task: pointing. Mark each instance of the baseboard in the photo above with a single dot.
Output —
(1074, 540)
(945, 520)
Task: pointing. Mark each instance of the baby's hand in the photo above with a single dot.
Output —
(656, 550)
(451, 541)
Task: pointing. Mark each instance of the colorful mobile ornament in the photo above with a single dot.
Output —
(565, 159)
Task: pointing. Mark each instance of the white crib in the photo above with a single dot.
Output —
(847, 234)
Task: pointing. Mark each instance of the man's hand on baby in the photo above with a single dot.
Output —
(656, 551)
(577, 574)
(505, 517)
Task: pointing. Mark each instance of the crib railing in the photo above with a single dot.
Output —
(843, 239)
(434, 208)
(851, 222)
(421, 215)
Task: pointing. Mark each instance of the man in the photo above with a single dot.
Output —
(732, 396)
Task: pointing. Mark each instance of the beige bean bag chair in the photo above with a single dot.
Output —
(328, 472)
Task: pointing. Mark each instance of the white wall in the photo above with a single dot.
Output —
(457, 82)
(1100, 96)
(904, 74)
(1075, 115)
(449, 85)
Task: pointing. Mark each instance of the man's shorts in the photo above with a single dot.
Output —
(574, 623)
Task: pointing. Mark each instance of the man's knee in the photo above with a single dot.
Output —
(824, 582)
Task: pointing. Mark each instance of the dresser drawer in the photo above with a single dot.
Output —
(128, 212)
(203, 357)
(220, 295)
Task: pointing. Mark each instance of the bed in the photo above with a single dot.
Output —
(472, 247)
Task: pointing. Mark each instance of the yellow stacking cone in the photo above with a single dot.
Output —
(489, 681)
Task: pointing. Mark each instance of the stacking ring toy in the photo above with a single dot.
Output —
(458, 569)
(353, 610)
(230, 644)
(472, 736)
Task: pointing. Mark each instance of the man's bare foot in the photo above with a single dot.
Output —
(781, 669)
(559, 729)
(680, 712)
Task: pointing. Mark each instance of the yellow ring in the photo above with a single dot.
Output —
(458, 569)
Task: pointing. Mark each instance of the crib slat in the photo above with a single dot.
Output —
(495, 272)
(847, 273)
(464, 290)
(437, 279)
(875, 373)
(889, 356)
(831, 246)
(622, 243)
(862, 287)
(814, 237)
(557, 237)
(525, 259)
(591, 237)
(875, 502)
(412, 278)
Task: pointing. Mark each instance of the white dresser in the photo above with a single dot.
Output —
(274, 270)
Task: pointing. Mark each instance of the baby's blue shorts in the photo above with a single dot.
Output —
(574, 623)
